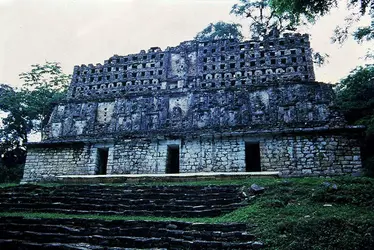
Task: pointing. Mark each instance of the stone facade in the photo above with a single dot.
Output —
(204, 106)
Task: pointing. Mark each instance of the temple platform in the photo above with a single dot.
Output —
(141, 178)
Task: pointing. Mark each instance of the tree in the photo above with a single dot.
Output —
(45, 85)
(30, 107)
(4, 88)
(12, 153)
(220, 30)
(355, 97)
(18, 123)
(11, 162)
(308, 8)
(262, 19)
(27, 109)
(313, 9)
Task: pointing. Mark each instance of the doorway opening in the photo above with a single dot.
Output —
(172, 162)
(102, 154)
(252, 157)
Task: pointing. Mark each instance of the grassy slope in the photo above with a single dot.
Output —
(294, 213)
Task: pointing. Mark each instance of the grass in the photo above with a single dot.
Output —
(98, 217)
(4, 185)
(300, 213)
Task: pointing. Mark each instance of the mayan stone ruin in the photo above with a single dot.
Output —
(213, 106)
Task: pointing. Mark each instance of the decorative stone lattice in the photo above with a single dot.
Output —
(197, 65)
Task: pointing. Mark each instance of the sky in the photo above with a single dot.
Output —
(75, 32)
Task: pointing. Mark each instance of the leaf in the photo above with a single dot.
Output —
(43, 86)
(220, 30)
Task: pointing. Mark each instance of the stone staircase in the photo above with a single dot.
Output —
(165, 201)
(128, 200)
(22, 233)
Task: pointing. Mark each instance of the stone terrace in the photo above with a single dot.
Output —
(166, 201)
(171, 201)
(21, 233)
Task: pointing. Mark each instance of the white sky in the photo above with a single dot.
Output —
(75, 32)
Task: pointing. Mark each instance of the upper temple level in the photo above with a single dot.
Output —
(193, 64)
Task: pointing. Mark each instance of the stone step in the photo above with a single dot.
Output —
(95, 193)
(167, 201)
(103, 240)
(125, 195)
(147, 178)
(21, 233)
(123, 202)
(90, 223)
(128, 188)
(206, 236)
(131, 231)
(20, 244)
(6, 205)
(161, 213)
(87, 224)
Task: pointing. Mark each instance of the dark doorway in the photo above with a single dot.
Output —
(172, 162)
(102, 154)
(252, 157)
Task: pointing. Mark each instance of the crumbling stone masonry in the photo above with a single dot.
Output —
(220, 105)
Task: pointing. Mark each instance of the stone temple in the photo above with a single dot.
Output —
(213, 106)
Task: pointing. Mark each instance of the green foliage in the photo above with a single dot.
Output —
(12, 158)
(45, 85)
(30, 107)
(363, 34)
(308, 8)
(11, 174)
(326, 233)
(18, 122)
(4, 88)
(220, 30)
(46, 76)
(356, 192)
(313, 9)
(262, 20)
(355, 97)
(27, 109)
(4, 185)
(320, 59)
(289, 215)
(265, 21)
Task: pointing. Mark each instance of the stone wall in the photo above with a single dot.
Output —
(302, 155)
(45, 162)
(137, 157)
(311, 155)
(274, 107)
(197, 154)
